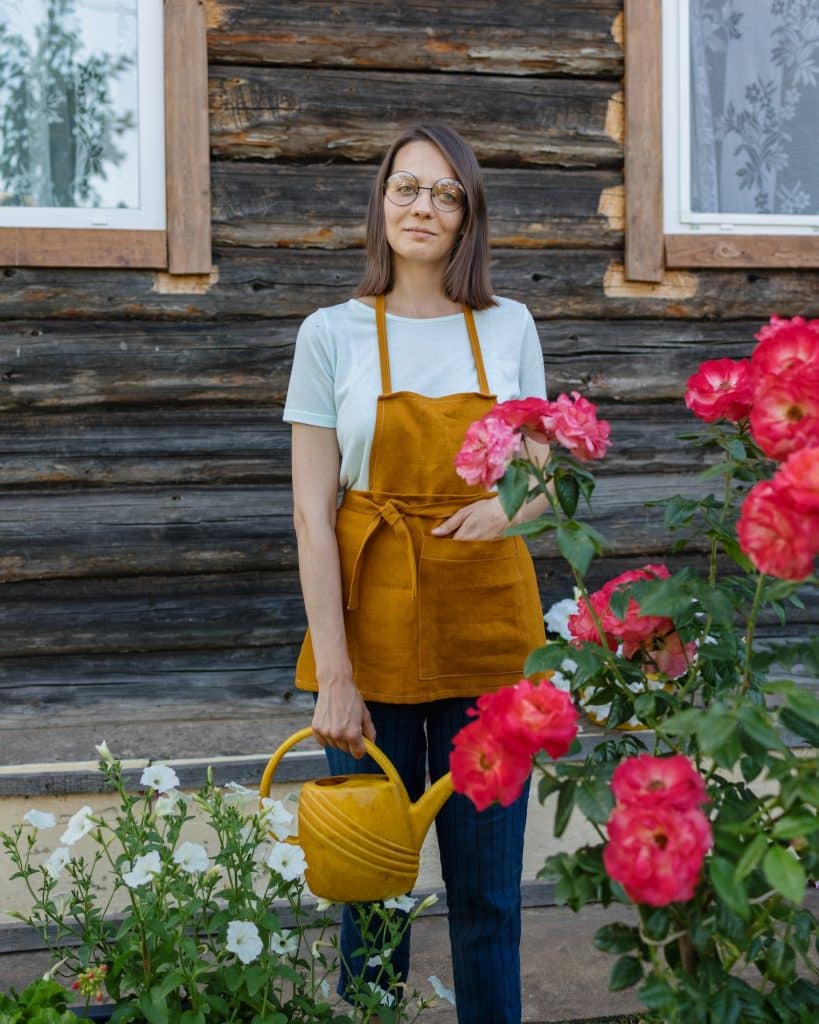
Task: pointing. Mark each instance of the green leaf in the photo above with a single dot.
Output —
(595, 800)
(730, 891)
(567, 491)
(542, 659)
(752, 855)
(546, 786)
(684, 723)
(804, 704)
(801, 726)
(617, 938)
(715, 730)
(575, 545)
(512, 489)
(627, 971)
(800, 823)
(255, 979)
(757, 724)
(785, 873)
(565, 805)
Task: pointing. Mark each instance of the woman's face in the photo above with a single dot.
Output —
(419, 231)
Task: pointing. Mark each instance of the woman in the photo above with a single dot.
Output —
(416, 603)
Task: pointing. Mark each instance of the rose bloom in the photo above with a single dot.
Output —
(573, 423)
(524, 414)
(785, 416)
(527, 718)
(484, 769)
(634, 629)
(786, 347)
(773, 534)
(489, 445)
(670, 654)
(646, 781)
(656, 852)
(721, 389)
(798, 481)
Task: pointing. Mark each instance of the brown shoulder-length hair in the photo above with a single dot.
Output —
(466, 279)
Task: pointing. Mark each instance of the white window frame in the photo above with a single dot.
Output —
(679, 219)
(150, 215)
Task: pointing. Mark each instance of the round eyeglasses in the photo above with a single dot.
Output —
(447, 194)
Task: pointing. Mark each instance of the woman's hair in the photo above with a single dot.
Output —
(466, 279)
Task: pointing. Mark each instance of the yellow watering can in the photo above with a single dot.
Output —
(360, 834)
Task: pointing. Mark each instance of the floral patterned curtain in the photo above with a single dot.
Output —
(755, 106)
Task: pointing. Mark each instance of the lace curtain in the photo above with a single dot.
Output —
(755, 106)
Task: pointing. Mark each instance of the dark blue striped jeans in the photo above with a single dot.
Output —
(481, 863)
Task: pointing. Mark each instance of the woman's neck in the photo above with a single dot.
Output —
(418, 291)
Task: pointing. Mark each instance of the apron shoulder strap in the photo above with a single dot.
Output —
(383, 351)
(483, 383)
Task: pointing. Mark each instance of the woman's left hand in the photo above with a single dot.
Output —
(482, 520)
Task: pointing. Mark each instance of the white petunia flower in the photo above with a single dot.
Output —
(404, 903)
(384, 997)
(427, 901)
(167, 803)
(379, 960)
(557, 617)
(39, 819)
(57, 861)
(276, 817)
(440, 989)
(322, 904)
(243, 940)
(191, 857)
(325, 988)
(287, 860)
(286, 944)
(144, 869)
(79, 825)
(104, 753)
(159, 777)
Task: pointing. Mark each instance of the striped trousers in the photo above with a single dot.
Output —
(481, 863)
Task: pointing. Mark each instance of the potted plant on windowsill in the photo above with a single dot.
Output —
(707, 820)
(184, 932)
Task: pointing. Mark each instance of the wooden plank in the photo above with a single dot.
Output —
(135, 532)
(271, 113)
(187, 153)
(530, 37)
(644, 140)
(325, 206)
(82, 247)
(101, 373)
(699, 250)
(555, 283)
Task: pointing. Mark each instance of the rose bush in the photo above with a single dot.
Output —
(189, 934)
(708, 826)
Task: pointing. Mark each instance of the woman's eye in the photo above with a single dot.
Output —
(406, 190)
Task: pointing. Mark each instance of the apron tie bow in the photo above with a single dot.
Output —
(392, 513)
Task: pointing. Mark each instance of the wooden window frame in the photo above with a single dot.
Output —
(648, 249)
(184, 247)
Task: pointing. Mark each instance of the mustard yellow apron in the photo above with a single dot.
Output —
(427, 617)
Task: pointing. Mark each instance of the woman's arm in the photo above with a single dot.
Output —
(341, 718)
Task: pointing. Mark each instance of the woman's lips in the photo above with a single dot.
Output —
(420, 231)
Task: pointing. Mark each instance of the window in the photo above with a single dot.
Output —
(85, 111)
(728, 158)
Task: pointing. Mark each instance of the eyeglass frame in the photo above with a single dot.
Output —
(426, 188)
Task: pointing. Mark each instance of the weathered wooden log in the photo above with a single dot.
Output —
(270, 113)
(185, 446)
(107, 533)
(555, 283)
(325, 206)
(530, 37)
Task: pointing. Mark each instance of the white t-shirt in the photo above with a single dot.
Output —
(336, 376)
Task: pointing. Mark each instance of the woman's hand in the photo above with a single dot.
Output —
(341, 718)
(482, 520)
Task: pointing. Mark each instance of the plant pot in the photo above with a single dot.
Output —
(99, 1012)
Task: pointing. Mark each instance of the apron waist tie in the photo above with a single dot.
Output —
(392, 512)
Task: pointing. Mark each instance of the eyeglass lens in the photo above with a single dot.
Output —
(447, 195)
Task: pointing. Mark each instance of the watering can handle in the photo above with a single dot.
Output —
(375, 753)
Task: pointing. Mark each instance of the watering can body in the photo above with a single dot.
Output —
(360, 834)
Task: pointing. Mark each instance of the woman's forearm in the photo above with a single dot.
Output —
(320, 574)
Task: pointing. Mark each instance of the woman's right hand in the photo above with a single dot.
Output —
(341, 718)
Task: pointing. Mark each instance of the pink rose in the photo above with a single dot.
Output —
(573, 423)
(485, 769)
(786, 347)
(798, 482)
(524, 414)
(772, 534)
(720, 390)
(656, 852)
(670, 654)
(528, 718)
(489, 446)
(634, 630)
(785, 415)
(646, 781)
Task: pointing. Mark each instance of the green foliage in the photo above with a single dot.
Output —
(42, 1002)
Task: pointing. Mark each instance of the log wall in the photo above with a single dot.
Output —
(147, 559)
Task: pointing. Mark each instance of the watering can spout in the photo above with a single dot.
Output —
(424, 811)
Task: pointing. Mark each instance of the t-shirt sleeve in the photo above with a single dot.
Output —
(532, 371)
(311, 394)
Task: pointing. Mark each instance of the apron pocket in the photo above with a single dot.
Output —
(471, 610)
